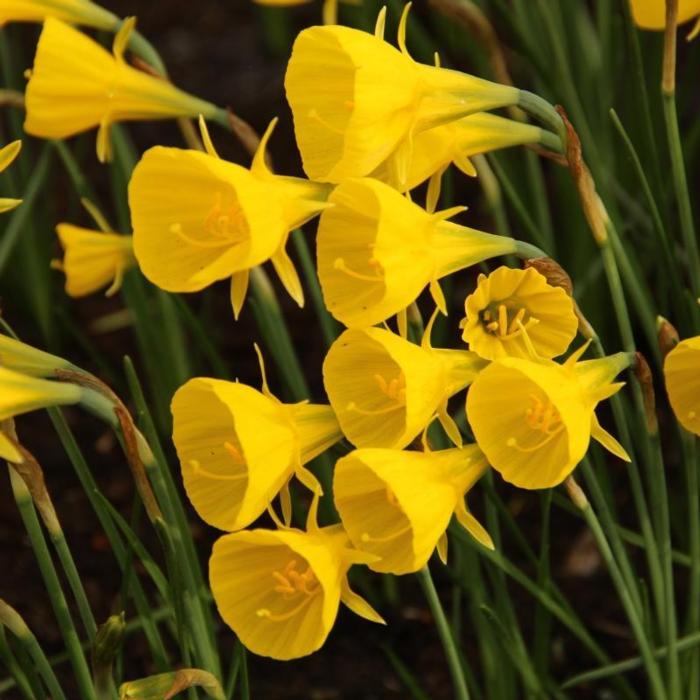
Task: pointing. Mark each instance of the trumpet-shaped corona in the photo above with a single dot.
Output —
(229, 220)
(77, 85)
(280, 591)
(682, 374)
(73, 11)
(651, 14)
(397, 505)
(385, 390)
(534, 420)
(515, 312)
(357, 101)
(377, 251)
(238, 447)
(93, 259)
(7, 155)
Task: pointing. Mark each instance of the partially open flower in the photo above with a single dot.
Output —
(77, 85)
(385, 390)
(357, 101)
(94, 259)
(280, 590)
(238, 447)
(7, 155)
(73, 11)
(398, 505)
(534, 420)
(516, 312)
(377, 251)
(682, 374)
(231, 219)
(651, 14)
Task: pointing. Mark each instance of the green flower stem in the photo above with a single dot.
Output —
(448, 643)
(22, 673)
(539, 108)
(690, 459)
(83, 676)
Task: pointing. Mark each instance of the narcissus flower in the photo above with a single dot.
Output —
(515, 313)
(238, 447)
(94, 259)
(280, 590)
(73, 11)
(7, 155)
(77, 85)
(682, 374)
(198, 219)
(534, 420)
(357, 101)
(398, 505)
(385, 390)
(377, 251)
(651, 14)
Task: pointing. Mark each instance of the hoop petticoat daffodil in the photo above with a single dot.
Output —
(398, 504)
(682, 375)
(76, 85)
(7, 155)
(534, 419)
(651, 14)
(198, 219)
(358, 101)
(73, 11)
(385, 390)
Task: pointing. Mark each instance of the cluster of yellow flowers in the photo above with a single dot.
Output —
(371, 124)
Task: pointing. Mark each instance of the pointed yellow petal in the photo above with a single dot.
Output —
(9, 153)
(473, 526)
(284, 267)
(239, 289)
(602, 436)
(359, 605)
(442, 548)
(121, 38)
(8, 204)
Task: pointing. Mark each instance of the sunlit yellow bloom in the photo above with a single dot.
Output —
(358, 101)
(534, 420)
(385, 390)
(397, 505)
(238, 447)
(94, 259)
(330, 7)
(682, 374)
(280, 590)
(435, 149)
(25, 359)
(377, 251)
(7, 155)
(651, 14)
(515, 312)
(198, 219)
(77, 85)
(73, 11)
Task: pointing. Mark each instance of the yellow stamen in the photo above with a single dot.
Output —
(201, 471)
(291, 584)
(339, 264)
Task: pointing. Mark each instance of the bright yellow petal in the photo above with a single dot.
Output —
(682, 374)
(651, 14)
(9, 153)
(20, 393)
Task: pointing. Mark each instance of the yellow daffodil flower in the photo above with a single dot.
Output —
(280, 590)
(77, 85)
(377, 251)
(534, 419)
(73, 11)
(385, 390)
(682, 374)
(397, 505)
(651, 14)
(330, 7)
(239, 447)
(7, 155)
(94, 259)
(357, 101)
(25, 359)
(517, 313)
(198, 219)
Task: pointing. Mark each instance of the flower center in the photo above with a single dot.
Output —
(394, 390)
(292, 585)
(375, 267)
(238, 459)
(544, 420)
(506, 322)
(392, 500)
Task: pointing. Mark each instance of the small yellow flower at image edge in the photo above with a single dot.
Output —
(7, 155)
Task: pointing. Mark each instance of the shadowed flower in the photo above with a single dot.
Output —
(280, 590)
(77, 85)
(7, 155)
(385, 390)
(93, 259)
(377, 251)
(651, 14)
(239, 447)
(198, 219)
(534, 420)
(357, 101)
(397, 505)
(517, 313)
(73, 11)
(682, 374)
